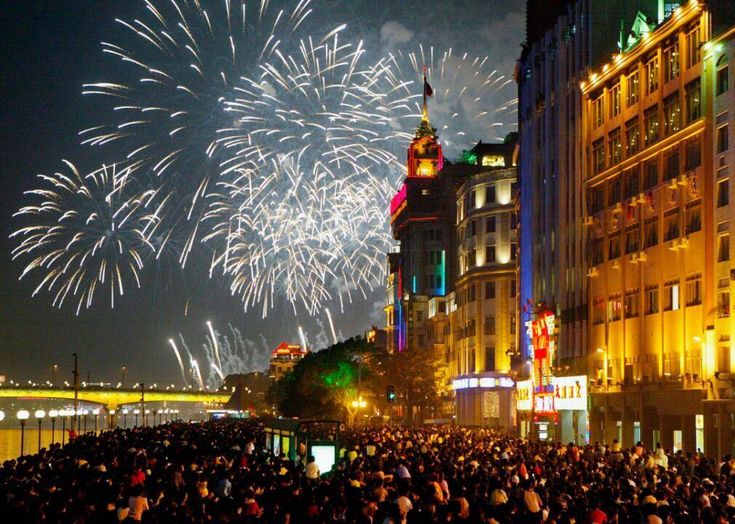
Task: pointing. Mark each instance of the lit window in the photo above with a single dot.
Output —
(693, 51)
(723, 139)
(723, 248)
(493, 161)
(723, 193)
(652, 76)
(693, 100)
(694, 290)
(672, 114)
(651, 300)
(651, 124)
(633, 89)
(615, 146)
(615, 101)
(722, 75)
(599, 113)
(671, 62)
(671, 296)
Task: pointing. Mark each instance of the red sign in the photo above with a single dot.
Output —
(540, 331)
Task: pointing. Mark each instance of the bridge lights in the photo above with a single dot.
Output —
(22, 417)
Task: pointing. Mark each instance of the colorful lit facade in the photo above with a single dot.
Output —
(284, 358)
(564, 38)
(656, 120)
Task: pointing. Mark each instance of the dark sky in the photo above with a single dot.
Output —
(49, 49)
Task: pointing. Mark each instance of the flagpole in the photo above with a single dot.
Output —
(425, 112)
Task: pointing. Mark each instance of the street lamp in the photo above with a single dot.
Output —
(83, 413)
(54, 369)
(39, 416)
(136, 412)
(64, 413)
(22, 417)
(125, 418)
(112, 419)
(96, 413)
(53, 414)
(123, 370)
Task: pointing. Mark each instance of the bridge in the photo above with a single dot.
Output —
(114, 398)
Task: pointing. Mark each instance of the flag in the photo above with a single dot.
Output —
(650, 200)
(428, 91)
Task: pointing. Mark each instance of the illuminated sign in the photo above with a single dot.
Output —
(398, 199)
(524, 395)
(540, 331)
(482, 382)
(570, 392)
(543, 403)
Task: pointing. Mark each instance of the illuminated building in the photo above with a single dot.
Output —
(421, 215)
(564, 38)
(284, 358)
(483, 306)
(657, 156)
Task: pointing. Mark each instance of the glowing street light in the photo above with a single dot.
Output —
(53, 414)
(22, 417)
(39, 413)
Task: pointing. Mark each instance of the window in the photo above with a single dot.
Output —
(671, 226)
(473, 228)
(651, 300)
(513, 221)
(473, 199)
(490, 224)
(652, 75)
(671, 163)
(616, 146)
(614, 195)
(694, 290)
(598, 310)
(598, 111)
(671, 62)
(722, 75)
(723, 248)
(723, 139)
(723, 303)
(513, 251)
(613, 251)
(490, 325)
(693, 101)
(489, 254)
(650, 124)
(672, 114)
(489, 290)
(615, 100)
(650, 171)
(694, 219)
(650, 233)
(489, 359)
(671, 296)
(692, 42)
(472, 257)
(598, 156)
(490, 194)
(472, 295)
(631, 241)
(632, 136)
(419, 316)
(633, 89)
(693, 155)
(512, 289)
(723, 193)
(614, 308)
(632, 300)
(596, 254)
(632, 182)
(512, 321)
(596, 199)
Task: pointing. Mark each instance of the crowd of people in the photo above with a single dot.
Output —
(221, 471)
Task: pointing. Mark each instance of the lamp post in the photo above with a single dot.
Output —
(147, 412)
(136, 412)
(123, 370)
(64, 413)
(52, 415)
(96, 413)
(54, 369)
(125, 418)
(83, 413)
(39, 413)
(111, 423)
(22, 417)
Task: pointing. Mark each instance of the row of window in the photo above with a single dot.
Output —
(645, 177)
(651, 70)
(469, 294)
(628, 306)
(650, 236)
(491, 226)
(465, 205)
(470, 260)
(489, 328)
(621, 146)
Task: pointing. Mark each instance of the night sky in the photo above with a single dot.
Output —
(49, 49)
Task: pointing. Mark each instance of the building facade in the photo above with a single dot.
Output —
(564, 38)
(284, 358)
(657, 156)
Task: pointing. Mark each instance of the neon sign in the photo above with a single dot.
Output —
(398, 199)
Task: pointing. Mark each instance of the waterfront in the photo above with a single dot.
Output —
(10, 440)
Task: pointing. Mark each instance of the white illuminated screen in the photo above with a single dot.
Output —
(276, 445)
(324, 457)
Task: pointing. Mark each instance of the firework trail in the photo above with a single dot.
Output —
(215, 345)
(465, 87)
(87, 233)
(180, 361)
(302, 339)
(331, 325)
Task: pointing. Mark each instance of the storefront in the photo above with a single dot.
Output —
(485, 399)
(570, 404)
(524, 407)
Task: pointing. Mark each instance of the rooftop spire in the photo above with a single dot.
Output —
(425, 128)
